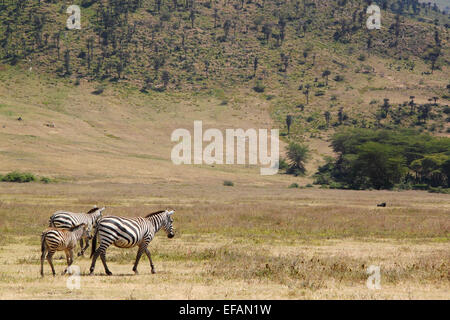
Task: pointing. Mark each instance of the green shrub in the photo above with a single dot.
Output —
(294, 185)
(439, 190)
(422, 186)
(309, 185)
(259, 87)
(23, 177)
(283, 164)
(46, 180)
(20, 177)
(228, 183)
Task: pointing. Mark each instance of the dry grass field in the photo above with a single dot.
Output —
(257, 239)
(241, 242)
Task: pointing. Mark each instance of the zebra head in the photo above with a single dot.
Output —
(83, 230)
(168, 223)
(96, 214)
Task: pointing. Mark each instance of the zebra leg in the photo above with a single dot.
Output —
(138, 257)
(69, 255)
(81, 253)
(101, 251)
(84, 249)
(49, 259)
(42, 260)
(94, 258)
(68, 261)
(103, 257)
(147, 252)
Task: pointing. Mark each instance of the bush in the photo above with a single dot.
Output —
(403, 186)
(20, 177)
(439, 190)
(283, 165)
(294, 185)
(309, 185)
(23, 177)
(228, 183)
(336, 185)
(259, 87)
(422, 186)
(46, 180)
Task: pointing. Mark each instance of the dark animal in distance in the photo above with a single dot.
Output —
(383, 204)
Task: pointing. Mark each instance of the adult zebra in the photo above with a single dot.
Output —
(67, 220)
(129, 232)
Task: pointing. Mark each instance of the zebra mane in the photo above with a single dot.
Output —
(154, 213)
(77, 226)
(92, 210)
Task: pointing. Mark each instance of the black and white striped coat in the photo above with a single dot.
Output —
(67, 220)
(56, 239)
(129, 232)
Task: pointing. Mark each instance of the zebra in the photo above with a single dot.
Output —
(129, 232)
(57, 239)
(66, 220)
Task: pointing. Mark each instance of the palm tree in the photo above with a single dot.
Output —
(306, 92)
(327, 116)
(288, 122)
(298, 156)
(325, 75)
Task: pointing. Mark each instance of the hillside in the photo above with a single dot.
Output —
(137, 70)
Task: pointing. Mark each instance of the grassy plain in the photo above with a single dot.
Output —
(256, 239)
(240, 242)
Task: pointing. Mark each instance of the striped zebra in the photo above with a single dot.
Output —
(56, 239)
(130, 232)
(66, 220)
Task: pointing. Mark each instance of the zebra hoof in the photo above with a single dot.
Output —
(136, 272)
(153, 271)
(109, 273)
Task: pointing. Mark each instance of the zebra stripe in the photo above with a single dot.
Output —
(56, 239)
(129, 232)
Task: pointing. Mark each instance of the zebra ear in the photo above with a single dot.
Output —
(102, 209)
(171, 212)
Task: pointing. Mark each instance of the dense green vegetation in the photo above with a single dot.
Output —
(23, 177)
(382, 159)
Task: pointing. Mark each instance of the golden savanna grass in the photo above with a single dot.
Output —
(255, 240)
(309, 243)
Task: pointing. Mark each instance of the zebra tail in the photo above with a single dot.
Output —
(94, 242)
(43, 242)
(50, 222)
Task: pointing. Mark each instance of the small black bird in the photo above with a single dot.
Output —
(381, 204)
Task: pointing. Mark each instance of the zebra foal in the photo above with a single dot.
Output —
(56, 239)
(67, 220)
(129, 232)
